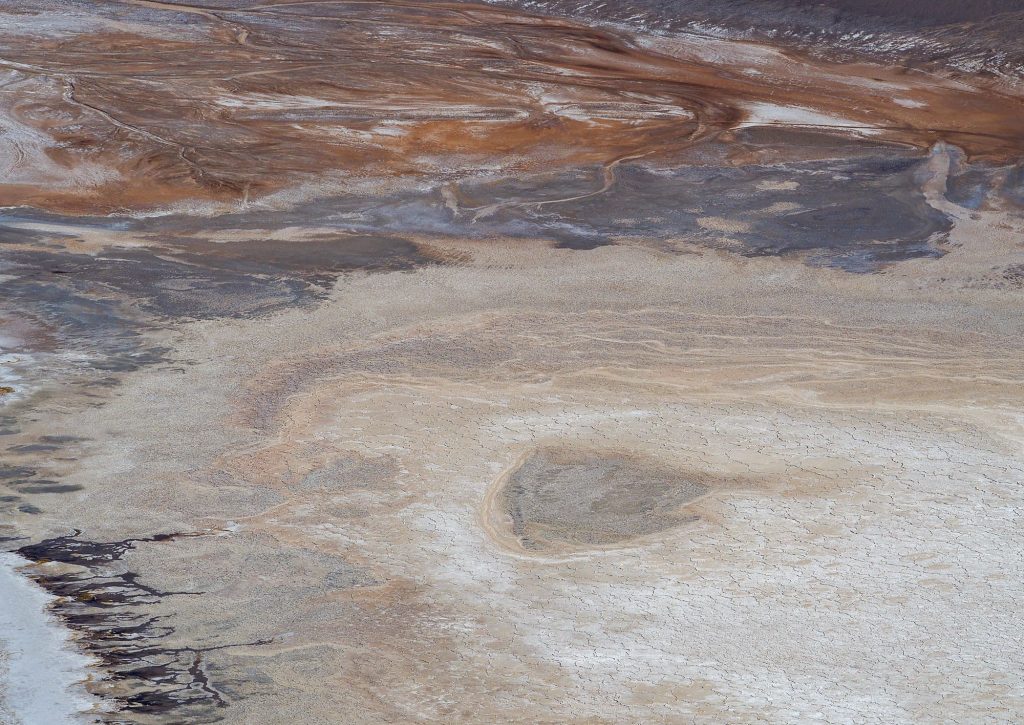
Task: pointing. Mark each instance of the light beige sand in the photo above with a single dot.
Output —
(345, 454)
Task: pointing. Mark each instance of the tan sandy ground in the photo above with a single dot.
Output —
(859, 564)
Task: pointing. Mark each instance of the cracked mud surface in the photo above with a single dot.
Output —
(518, 362)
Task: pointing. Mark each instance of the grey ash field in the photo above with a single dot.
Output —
(512, 362)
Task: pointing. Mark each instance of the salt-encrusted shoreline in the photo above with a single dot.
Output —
(43, 674)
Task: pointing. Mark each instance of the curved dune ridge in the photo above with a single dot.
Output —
(527, 362)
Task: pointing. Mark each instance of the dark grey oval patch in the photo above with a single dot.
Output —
(561, 498)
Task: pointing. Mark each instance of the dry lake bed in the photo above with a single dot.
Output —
(526, 361)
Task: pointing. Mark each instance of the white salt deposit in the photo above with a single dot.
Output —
(41, 672)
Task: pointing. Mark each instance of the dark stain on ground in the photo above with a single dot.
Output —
(83, 313)
(854, 204)
(933, 31)
(144, 280)
(108, 610)
(61, 439)
(34, 448)
(40, 487)
(184, 275)
(9, 472)
(926, 12)
(857, 214)
(970, 188)
(566, 498)
(23, 479)
(316, 261)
